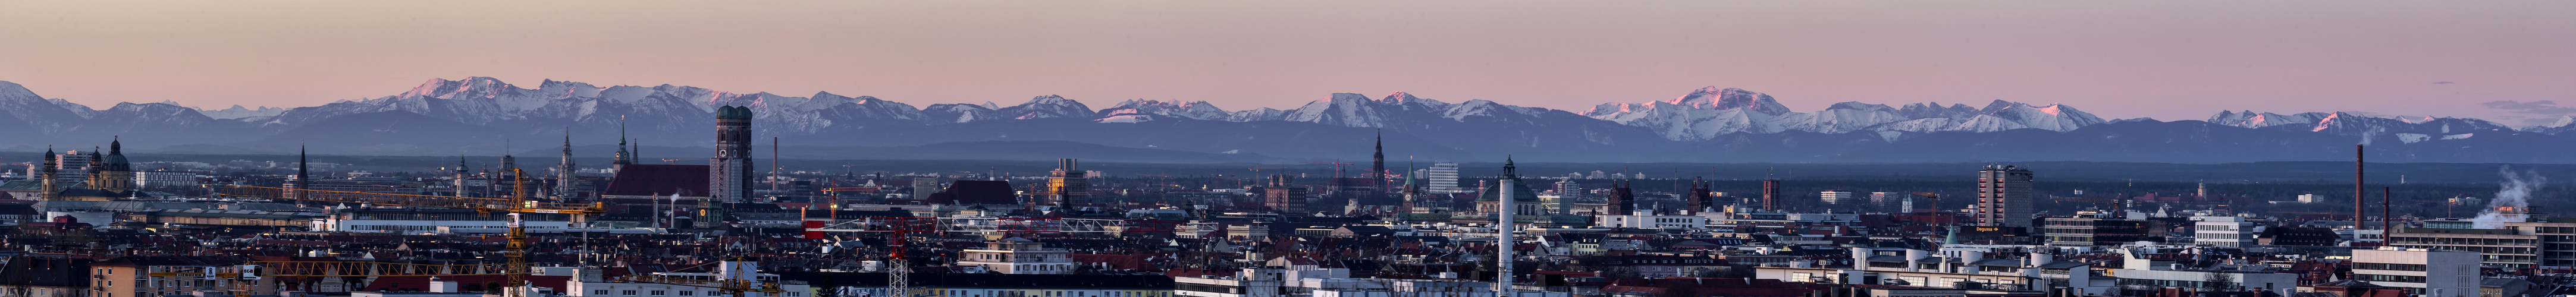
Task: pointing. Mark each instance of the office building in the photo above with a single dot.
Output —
(2505, 248)
(1066, 184)
(2003, 196)
(1018, 256)
(1444, 177)
(2223, 231)
(1831, 197)
(2422, 272)
(2101, 229)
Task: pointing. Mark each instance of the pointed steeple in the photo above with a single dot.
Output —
(303, 167)
(623, 156)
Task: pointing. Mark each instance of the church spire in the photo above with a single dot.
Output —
(623, 157)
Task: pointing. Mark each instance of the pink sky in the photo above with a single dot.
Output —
(2169, 60)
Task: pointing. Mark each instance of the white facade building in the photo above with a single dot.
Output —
(1444, 178)
(165, 179)
(1652, 221)
(587, 283)
(2225, 231)
(1333, 282)
(1018, 256)
(2423, 272)
(1834, 196)
(2152, 273)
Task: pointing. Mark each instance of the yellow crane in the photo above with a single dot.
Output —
(515, 205)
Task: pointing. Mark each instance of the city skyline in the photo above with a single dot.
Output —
(2169, 61)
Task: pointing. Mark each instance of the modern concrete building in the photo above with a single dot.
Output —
(2505, 248)
(1835, 197)
(1067, 184)
(2224, 231)
(2003, 196)
(1018, 256)
(2149, 270)
(1444, 178)
(2424, 272)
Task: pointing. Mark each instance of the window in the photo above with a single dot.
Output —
(599, 292)
(2387, 266)
(657, 292)
(627, 292)
(688, 293)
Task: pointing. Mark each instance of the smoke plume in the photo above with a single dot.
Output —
(2516, 194)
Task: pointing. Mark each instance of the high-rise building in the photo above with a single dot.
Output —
(1622, 200)
(1834, 196)
(1699, 198)
(71, 167)
(1887, 202)
(1066, 184)
(1771, 194)
(1444, 177)
(729, 172)
(1569, 188)
(1282, 196)
(2003, 196)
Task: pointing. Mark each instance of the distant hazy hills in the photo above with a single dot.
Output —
(484, 116)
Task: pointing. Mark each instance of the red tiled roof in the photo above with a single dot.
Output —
(659, 180)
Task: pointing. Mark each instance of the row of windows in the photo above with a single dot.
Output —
(2388, 278)
(994, 293)
(2463, 241)
(2387, 266)
(683, 293)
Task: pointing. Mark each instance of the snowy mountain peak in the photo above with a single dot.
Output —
(1398, 97)
(237, 111)
(1049, 106)
(1730, 98)
(1197, 110)
(13, 91)
(470, 87)
(2562, 122)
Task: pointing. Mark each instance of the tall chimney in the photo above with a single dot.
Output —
(2358, 195)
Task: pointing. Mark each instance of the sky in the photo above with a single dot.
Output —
(2172, 60)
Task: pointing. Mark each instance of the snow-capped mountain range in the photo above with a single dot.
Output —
(1708, 124)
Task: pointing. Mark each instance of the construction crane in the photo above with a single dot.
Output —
(1337, 167)
(515, 206)
(898, 267)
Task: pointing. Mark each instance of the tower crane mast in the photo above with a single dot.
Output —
(515, 206)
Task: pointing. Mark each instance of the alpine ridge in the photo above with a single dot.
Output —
(1712, 124)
